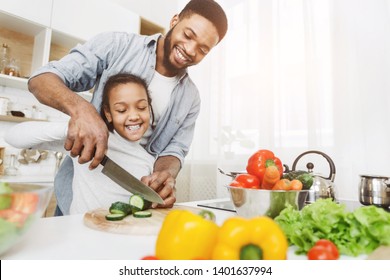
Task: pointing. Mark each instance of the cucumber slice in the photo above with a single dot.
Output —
(120, 207)
(115, 216)
(142, 214)
(138, 203)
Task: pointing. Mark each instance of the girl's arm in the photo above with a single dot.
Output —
(38, 135)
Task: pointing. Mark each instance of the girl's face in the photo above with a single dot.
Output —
(128, 110)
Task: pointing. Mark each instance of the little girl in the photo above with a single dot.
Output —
(126, 109)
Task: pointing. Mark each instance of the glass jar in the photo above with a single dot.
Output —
(12, 69)
(4, 59)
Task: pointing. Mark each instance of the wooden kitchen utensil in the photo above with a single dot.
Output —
(132, 226)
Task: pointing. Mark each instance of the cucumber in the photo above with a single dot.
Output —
(138, 203)
(120, 207)
(305, 177)
(142, 214)
(115, 216)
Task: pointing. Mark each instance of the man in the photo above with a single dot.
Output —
(162, 62)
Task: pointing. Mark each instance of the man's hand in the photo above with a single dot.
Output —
(87, 133)
(163, 179)
(87, 137)
(164, 184)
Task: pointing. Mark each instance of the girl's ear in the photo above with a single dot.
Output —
(174, 21)
(107, 113)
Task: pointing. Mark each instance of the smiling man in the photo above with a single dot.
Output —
(162, 62)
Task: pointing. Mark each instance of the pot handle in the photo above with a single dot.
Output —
(310, 165)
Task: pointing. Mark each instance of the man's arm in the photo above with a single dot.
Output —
(163, 179)
(87, 133)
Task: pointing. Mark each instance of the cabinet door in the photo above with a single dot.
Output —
(84, 19)
(38, 11)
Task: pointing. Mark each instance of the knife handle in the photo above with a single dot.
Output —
(104, 160)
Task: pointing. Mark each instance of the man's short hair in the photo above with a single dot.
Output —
(210, 10)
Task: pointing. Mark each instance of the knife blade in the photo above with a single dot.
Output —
(127, 181)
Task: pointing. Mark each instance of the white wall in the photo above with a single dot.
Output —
(157, 11)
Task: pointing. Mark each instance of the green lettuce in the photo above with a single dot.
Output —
(354, 233)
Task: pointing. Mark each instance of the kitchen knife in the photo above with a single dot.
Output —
(128, 181)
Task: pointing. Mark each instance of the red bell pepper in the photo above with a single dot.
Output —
(260, 160)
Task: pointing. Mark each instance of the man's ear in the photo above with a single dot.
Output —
(174, 21)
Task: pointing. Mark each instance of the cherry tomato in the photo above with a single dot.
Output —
(149, 258)
(323, 250)
(246, 181)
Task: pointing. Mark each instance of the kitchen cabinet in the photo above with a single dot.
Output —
(37, 11)
(37, 32)
(32, 44)
(46, 30)
(84, 19)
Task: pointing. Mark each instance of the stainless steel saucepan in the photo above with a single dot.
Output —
(374, 190)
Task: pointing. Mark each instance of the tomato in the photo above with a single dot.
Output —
(246, 181)
(323, 250)
(149, 258)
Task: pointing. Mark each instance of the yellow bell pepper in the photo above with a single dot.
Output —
(186, 236)
(259, 238)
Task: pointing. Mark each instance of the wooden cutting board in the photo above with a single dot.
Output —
(95, 219)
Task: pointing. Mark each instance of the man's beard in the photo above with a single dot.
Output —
(167, 52)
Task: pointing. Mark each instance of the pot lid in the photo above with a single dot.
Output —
(375, 176)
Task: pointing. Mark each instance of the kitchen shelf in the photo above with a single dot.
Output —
(149, 28)
(14, 82)
(9, 118)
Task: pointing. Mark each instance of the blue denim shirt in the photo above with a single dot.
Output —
(89, 65)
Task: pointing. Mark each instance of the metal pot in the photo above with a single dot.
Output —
(374, 190)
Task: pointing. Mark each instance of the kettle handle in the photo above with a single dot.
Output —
(310, 165)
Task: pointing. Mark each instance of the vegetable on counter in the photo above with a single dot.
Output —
(271, 176)
(16, 207)
(120, 207)
(260, 160)
(138, 203)
(354, 233)
(246, 181)
(186, 236)
(150, 258)
(137, 206)
(323, 250)
(305, 177)
(258, 238)
(287, 185)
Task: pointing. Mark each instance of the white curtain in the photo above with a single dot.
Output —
(292, 76)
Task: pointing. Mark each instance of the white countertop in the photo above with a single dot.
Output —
(67, 238)
(28, 179)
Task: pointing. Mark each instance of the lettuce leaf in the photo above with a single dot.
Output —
(354, 233)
